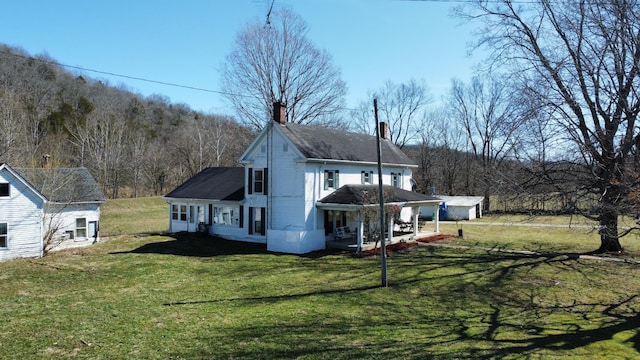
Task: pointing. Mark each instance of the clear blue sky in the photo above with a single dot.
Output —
(185, 42)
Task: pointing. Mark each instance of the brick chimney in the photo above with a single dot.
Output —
(279, 112)
(383, 130)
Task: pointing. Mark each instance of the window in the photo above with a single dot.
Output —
(4, 190)
(179, 212)
(81, 227)
(226, 215)
(256, 220)
(183, 212)
(396, 180)
(175, 212)
(258, 181)
(3, 235)
(331, 179)
(367, 177)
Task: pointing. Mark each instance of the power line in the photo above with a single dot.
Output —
(50, 62)
(124, 76)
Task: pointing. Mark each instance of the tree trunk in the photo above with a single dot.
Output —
(609, 240)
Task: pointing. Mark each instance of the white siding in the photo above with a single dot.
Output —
(287, 190)
(64, 219)
(22, 212)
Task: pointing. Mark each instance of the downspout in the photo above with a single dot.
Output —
(42, 231)
(436, 214)
(315, 196)
(268, 220)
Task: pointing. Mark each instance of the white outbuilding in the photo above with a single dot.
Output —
(456, 208)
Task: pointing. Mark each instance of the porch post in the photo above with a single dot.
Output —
(359, 232)
(436, 214)
(415, 211)
(390, 227)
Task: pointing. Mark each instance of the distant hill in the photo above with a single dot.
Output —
(133, 145)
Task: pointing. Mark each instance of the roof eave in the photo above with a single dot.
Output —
(338, 161)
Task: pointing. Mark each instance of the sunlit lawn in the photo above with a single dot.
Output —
(193, 297)
(134, 216)
(560, 234)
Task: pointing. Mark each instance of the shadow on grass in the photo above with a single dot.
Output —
(197, 245)
(276, 298)
(483, 305)
(203, 245)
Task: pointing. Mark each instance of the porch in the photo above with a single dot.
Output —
(352, 216)
(351, 244)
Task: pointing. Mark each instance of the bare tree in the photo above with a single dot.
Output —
(277, 62)
(487, 111)
(401, 106)
(11, 124)
(584, 58)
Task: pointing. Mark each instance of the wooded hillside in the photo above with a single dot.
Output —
(133, 145)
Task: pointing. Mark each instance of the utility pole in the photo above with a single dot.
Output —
(383, 246)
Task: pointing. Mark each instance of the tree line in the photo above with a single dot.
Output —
(133, 145)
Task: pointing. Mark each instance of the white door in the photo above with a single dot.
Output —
(92, 231)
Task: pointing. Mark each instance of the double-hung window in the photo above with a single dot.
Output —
(175, 212)
(3, 235)
(257, 183)
(331, 179)
(366, 177)
(81, 227)
(396, 180)
(179, 212)
(183, 212)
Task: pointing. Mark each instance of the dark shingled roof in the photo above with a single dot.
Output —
(317, 142)
(213, 183)
(368, 195)
(64, 185)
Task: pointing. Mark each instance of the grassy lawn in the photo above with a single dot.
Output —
(134, 216)
(192, 297)
(559, 234)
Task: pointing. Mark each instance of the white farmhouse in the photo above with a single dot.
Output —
(303, 186)
(47, 209)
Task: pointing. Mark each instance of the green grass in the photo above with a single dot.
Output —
(134, 216)
(160, 297)
(560, 234)
(192, 297)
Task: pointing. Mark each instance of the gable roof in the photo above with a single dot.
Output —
(18, 177)
(212, 183)
(318, 142)
(368, 195)
(63, 185)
